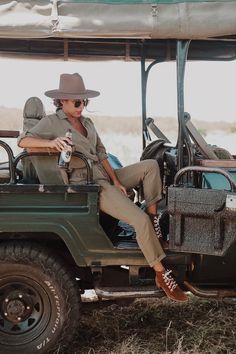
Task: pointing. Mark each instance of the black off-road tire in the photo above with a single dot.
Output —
(39, 300)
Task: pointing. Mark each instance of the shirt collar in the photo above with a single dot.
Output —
(61, 114)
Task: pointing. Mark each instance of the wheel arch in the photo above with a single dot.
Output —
(53, 241)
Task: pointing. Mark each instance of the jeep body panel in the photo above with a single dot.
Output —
(69, 211)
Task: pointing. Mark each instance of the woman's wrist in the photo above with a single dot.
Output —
(115, 181)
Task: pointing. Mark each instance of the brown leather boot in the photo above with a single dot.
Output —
(165, 281)
(155, 222)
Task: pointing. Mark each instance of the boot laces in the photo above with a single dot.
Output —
(170, 282)
(156, 226)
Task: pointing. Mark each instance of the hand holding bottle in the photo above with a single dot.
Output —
(59, 143)
(65, 146)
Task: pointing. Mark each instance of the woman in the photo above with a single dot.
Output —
(70, 98)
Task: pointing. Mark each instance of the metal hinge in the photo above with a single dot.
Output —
(154, 11)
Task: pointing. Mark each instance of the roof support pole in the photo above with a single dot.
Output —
(143, 93)
(144, 78)
(181, 57)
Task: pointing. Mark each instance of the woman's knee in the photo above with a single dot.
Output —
(152, 166)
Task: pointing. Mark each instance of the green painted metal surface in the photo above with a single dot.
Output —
(73, 217)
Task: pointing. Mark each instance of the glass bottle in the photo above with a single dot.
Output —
(65, 155)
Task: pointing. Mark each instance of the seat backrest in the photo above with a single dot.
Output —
(33, 111)
(38, 169)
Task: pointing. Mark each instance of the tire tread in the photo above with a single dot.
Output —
(28, 252)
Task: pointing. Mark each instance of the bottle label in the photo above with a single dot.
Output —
(66, 155)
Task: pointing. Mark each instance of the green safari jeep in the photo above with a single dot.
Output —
(54, 241)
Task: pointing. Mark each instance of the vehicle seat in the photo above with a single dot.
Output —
(39, 169)
(162, 151)
(33, 112)
(222, 153)
(114, 161)
(165, 156)
(207, 151)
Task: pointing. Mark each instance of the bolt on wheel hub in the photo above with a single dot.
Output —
(17, 307)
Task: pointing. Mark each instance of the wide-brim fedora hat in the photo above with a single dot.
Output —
(71, 86)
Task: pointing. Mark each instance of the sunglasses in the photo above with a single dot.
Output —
(78, 103)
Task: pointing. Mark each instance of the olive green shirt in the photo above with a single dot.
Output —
(55, 125)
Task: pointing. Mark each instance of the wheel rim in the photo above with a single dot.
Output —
(22, 310)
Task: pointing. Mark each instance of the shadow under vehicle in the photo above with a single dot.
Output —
(54, 241)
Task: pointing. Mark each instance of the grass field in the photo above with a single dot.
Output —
(122, 135)
(158, 326)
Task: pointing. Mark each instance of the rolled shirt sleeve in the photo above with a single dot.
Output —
(101, 150)
(43, 129)
(96, 145)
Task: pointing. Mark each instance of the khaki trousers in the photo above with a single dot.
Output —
(116, 204)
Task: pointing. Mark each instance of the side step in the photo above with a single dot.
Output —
(128, 292)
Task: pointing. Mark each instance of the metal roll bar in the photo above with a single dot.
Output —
(226, 174)
(13, 161)
(10, 154)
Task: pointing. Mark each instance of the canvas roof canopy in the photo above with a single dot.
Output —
(118, 28)
(155, 19)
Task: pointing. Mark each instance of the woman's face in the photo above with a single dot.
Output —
(73, 108)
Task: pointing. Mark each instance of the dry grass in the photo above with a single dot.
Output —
(122, 135)
(12, 118)
(158, 326)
